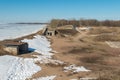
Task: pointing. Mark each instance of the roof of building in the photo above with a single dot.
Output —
(12, 43)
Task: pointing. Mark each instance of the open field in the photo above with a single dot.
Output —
(92, 52)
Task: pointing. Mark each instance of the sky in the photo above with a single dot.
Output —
(45, 10)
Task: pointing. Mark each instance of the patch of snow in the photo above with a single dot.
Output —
(85, 28)
(46, 59)
(46, 78)
(89, 78)
(113, 44)
(75, 69)
(73, 79)
(53, 51)
(78, 29)
(15, 68)
(40, 44)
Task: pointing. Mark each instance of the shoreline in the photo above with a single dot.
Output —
(19, 39)
(27, 36)
(14, 31)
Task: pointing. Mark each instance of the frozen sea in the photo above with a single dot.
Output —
(11, 31)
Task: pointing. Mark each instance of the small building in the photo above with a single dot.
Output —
(14, 47)
(49, 32)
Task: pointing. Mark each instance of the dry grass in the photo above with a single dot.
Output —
(67, 32)
(99, 30)
(105, 34)
(107, 38)
(65, 27)
(55, 65)
(86, 49)
(110, 75)
(97, 56)
(91, 58)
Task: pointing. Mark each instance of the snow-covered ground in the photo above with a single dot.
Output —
(10, 31)
(83, 28)
(86, 78)
(16, 68)
(75, 68)
(40, 44)
(44, 59)
(46, 78)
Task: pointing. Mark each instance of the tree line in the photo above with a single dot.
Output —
(84, 22)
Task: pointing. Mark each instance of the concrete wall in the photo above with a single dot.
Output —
(12, 50)
(23, 48)
(17, 49)
(50, 33)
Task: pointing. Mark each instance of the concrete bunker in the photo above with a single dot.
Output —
(49, 32)
(14, 47)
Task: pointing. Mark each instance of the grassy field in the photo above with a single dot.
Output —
(91, 51)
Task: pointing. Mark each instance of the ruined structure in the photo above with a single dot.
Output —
(14, 47)
(49, 31)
